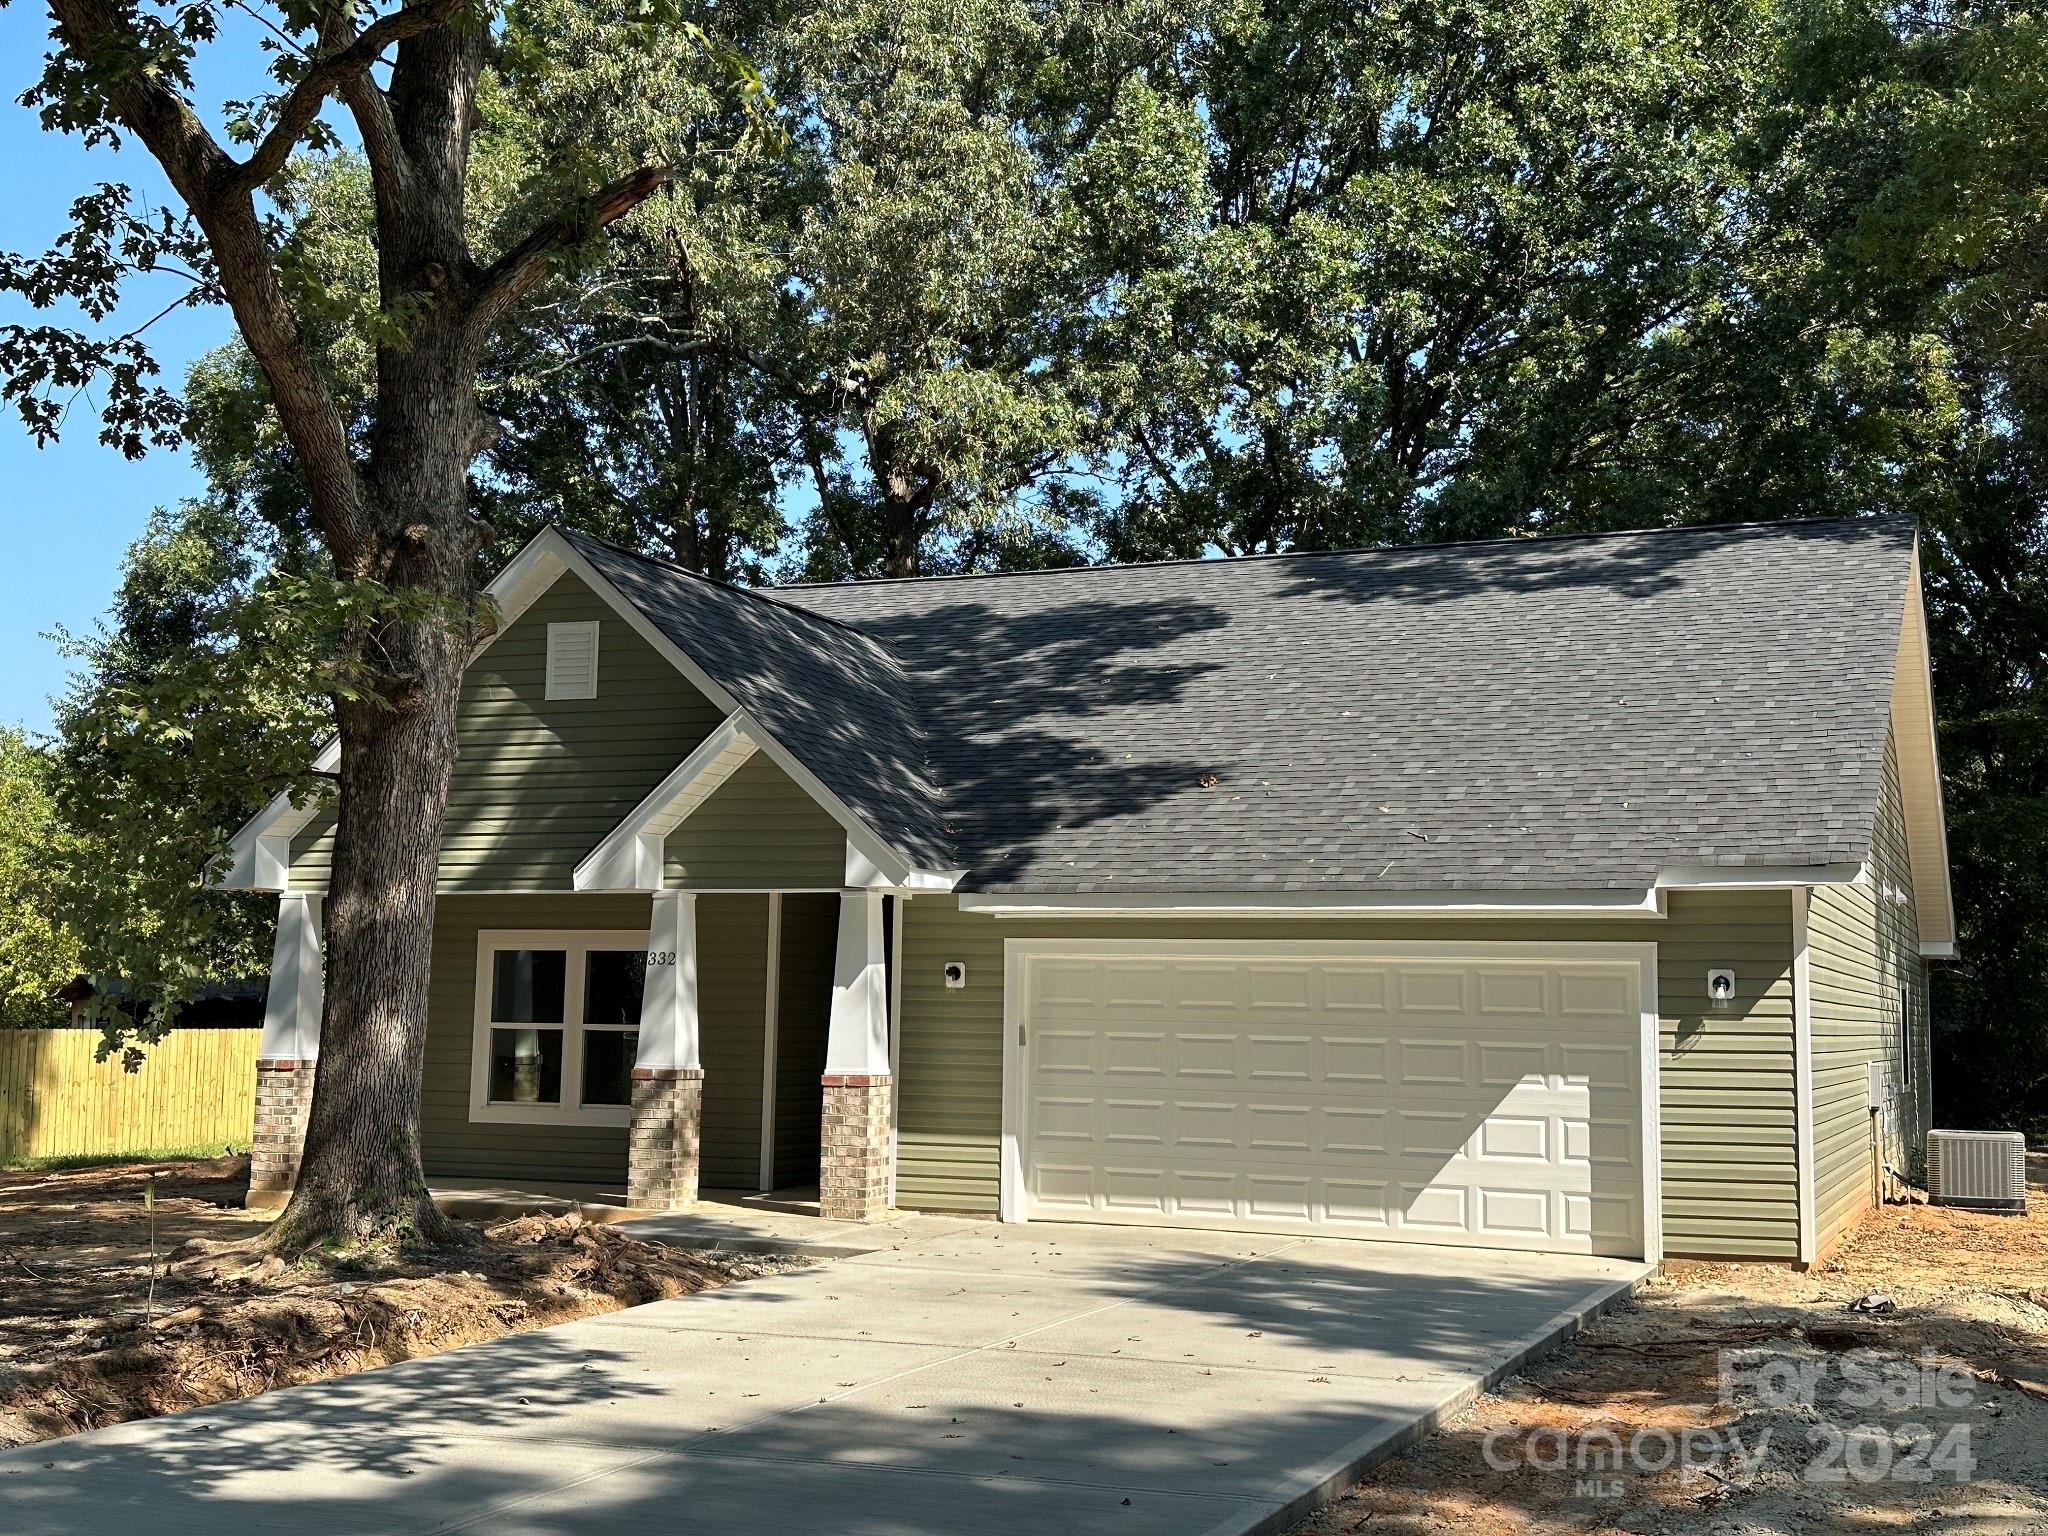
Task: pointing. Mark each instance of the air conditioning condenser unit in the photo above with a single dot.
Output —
(1980, 1170)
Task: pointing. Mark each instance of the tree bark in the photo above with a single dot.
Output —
(361, 1179)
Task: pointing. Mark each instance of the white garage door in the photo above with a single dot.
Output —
(1490, 1096)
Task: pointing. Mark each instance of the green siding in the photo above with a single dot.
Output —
(454, 1147)
(810, 936)
(1863, 949)
(1730, 1164)
(538, 782)
(732, 983)
(759, 830)
(732, 1001)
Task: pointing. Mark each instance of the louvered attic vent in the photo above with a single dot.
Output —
(572, 660)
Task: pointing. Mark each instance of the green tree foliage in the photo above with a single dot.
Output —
(876, 326)
(1043, 280)
(1931, 148)
(201, 697)
(38, 954)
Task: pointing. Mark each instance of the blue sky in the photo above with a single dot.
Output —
(71, 510)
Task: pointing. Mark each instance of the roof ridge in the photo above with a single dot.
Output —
(1756, 525)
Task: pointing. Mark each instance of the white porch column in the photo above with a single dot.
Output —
(859, 1037)
(668, 1003)
(853, 1166)
(289, 1049)
(668, 1073)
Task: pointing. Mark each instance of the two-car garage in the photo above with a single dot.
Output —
(1488, 1095)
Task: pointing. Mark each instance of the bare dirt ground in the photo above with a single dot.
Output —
(1794, 1444)
(83, 1342)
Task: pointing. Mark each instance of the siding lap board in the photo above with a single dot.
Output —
(539, 782)
(758, 830)
(1863, 947)
(1730, 1165)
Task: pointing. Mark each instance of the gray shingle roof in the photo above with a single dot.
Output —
(835, 698)
(1563, 714)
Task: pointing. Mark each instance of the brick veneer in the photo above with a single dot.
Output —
(853, 1160)
(284, 1095)
(662, 1148)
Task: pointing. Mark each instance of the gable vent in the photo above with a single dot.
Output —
(572, 660)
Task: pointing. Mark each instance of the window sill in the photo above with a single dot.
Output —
(619, 1115)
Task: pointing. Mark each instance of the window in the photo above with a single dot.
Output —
(572, 660)
(557, 1027)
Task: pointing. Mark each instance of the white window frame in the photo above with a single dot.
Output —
(577, 943)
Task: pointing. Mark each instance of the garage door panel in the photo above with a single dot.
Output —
(1067, 1051)
(1422, 1062)
(1354, 989)
(1201, 1125)
(1271, 989)
(1281, 1128)
(1524, 992)
(1518, 1138)
(1432, 989)
(1207, 1056)
(1135, 1124)
(1435, 1102)
(1134, 1053)
(1352, 1130)
(1355, 1062)
(1521, 1213)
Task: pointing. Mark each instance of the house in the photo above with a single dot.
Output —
(1569, 893)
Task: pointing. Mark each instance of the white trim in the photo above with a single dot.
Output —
(771, 1033)
(630, 856)
(260, 852)
(1802, 1075)
(895, 1040)
(1297, 904)
(577, 944)
(1938, 951)
(1013, 1203)
(1760, 877)
(1915, 739)
(545, 559)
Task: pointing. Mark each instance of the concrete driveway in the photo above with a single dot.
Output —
(965, 1377)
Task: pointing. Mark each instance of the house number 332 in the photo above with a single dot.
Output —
(661, 957)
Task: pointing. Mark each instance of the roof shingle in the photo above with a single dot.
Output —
(1557, 714)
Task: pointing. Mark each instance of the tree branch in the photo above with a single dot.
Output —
(514, 274)
(204, 176)
(337, 73)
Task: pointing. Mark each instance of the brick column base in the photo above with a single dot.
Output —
(661, 1153)
(853, 1163)
(284, 1096)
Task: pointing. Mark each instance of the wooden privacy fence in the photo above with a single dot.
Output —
(195, 1087)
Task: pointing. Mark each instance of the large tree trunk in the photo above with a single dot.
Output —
(361, 1178)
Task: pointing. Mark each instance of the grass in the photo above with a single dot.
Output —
(135, 1155)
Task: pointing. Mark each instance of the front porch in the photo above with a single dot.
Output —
(623, 1052)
